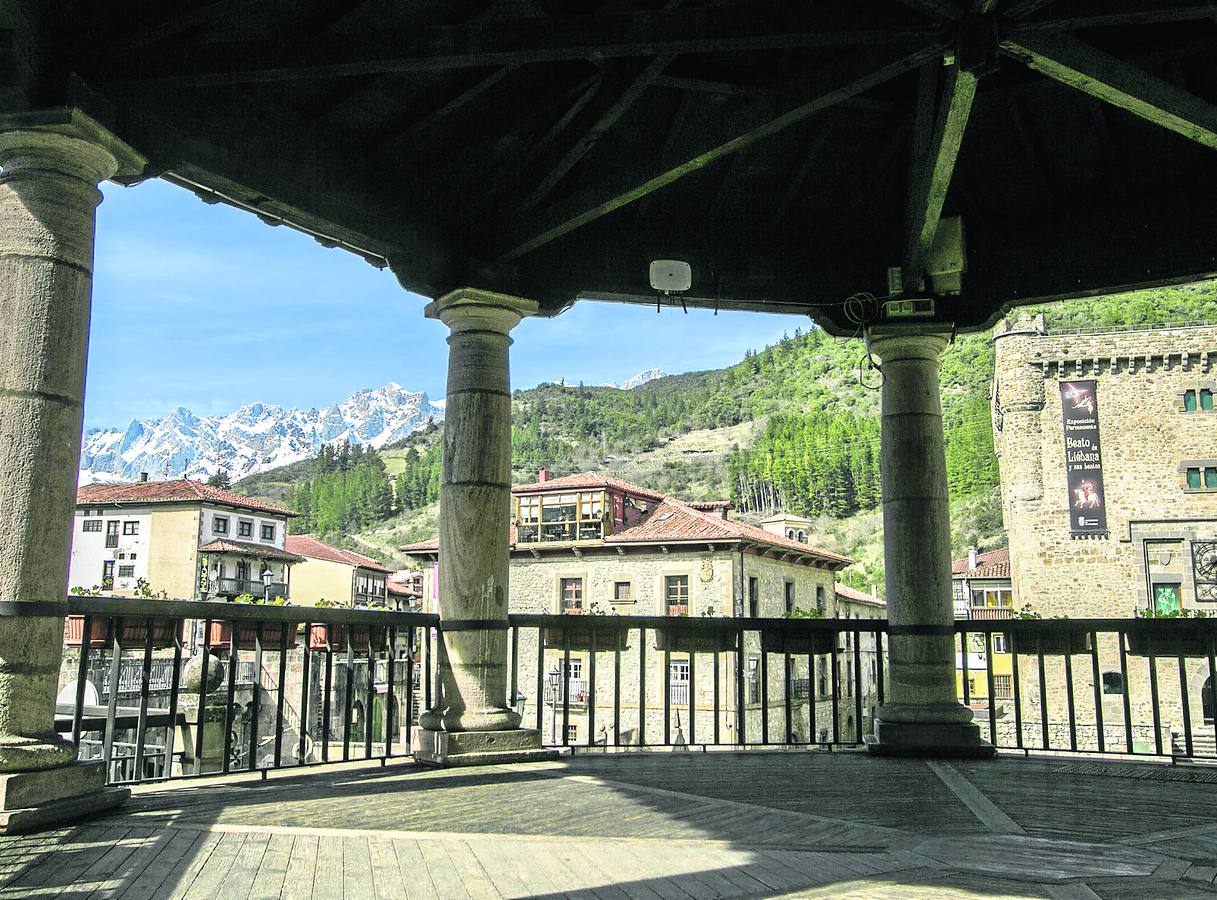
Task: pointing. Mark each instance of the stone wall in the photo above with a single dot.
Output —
(1145, 435)
(715, 579)
(1153, 519)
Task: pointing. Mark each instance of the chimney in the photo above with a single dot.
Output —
(971, 558)
(143, 476)
(874, 591)
(543, 474)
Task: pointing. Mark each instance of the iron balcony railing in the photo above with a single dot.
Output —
(740, 682)
(191, 688)
(1141, 687)
(234, 587)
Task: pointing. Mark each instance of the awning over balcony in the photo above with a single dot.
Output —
(243, 548)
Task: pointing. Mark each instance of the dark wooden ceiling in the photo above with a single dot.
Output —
(791, 152)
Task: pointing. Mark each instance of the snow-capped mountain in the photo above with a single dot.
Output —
(252, 439)
(638, 380)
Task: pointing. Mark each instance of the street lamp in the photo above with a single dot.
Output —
(554, 676)
(267, 577)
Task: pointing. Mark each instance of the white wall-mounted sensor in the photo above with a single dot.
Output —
(671, 275)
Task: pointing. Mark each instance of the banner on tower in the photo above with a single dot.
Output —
(1083, 458)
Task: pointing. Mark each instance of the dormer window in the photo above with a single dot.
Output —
(560, 517)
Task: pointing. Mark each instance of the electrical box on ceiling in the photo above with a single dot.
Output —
(912, 308)
(671, 275)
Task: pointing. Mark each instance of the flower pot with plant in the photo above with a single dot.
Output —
(786, 637)
(1031, 633)
(580, 633)
(1178, 640)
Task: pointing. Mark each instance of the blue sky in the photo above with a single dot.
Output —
(209, 308)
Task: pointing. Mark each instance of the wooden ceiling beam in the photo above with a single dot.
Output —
(198, 17)
(1023, 8)
(933, 164)
(939, 10)
(414, 128)
(1123, 15)
(811, 158)
(1110, 79)
(629, 187)
(610, 104)
(519, 42)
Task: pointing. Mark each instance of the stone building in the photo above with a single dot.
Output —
(590, 544)
(1107, 443)
(191, 540)
(331, 573)
(980, 591)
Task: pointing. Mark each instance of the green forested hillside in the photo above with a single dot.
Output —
(793, 425)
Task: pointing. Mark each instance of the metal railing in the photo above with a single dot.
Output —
(748, 680)
(259, 687)
(1141, 687)
(237, 586)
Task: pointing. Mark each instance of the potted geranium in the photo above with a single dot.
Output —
(783, 638)
(132, 630)
(247, 631)
(685, 640)
(580, 634)
(1051, 637)
(323, 636)
(1181, 641)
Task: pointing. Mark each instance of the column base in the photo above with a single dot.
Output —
(30, 801)
(481, 748)
(945, 740)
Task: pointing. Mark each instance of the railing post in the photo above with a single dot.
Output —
(922, 716)
(472, 716)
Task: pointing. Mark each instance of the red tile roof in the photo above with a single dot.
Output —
(671, 521)
(406, 583)
(177, 491)
(856, 596)
(307, 545)
(993, 564)
(585, 481)
(674, 520)
(242, 548)
(711, 505)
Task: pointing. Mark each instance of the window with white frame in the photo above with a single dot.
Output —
(676, 594)
(91, 525)
(130, 528)
(570, 595)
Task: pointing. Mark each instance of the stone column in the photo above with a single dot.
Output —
(472, 720)
(50, 166)
(922, 716)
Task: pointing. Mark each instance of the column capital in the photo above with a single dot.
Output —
(891, 343)
(67, 141)
(472, 309)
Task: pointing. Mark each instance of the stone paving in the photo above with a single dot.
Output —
(669, 825)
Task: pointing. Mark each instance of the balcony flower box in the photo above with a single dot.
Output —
(681, 641)
(1189, 644)
(133, 632)
(362, 637)
(1050, 638)
(247, 634)
(775, 639)
(581, 638)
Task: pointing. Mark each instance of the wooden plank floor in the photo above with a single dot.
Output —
(661, 825)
